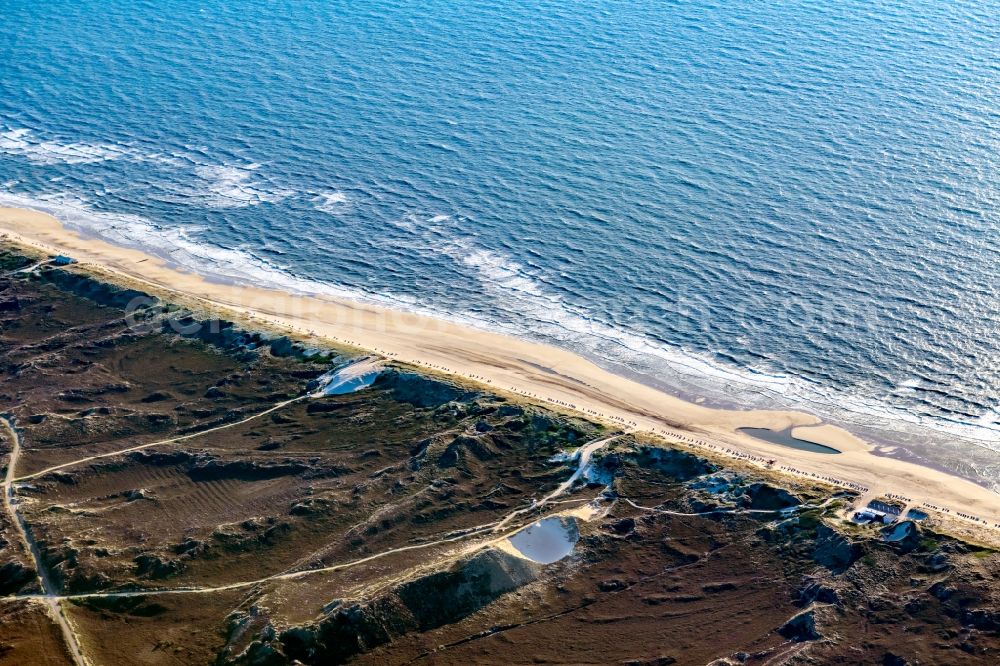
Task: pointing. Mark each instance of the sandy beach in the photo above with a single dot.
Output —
(543, 373)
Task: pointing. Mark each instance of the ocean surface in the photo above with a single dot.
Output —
(787, 204)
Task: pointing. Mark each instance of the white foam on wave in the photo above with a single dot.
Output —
(216, 185)
(990, 418)
(332, 203)
(504, 274)
(234, 186)
(24, 143)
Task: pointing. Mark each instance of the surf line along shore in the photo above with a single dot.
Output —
(540, 372)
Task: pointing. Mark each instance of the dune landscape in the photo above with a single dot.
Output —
(538, 372)
(262, 488)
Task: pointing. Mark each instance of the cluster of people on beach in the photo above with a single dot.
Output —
(967, 516)
(828, 479)
(561, 403)
(975, 519)
(744, 456)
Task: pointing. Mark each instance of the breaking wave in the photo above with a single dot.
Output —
(24, 143)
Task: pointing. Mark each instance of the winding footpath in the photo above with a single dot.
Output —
(582, 456)
(162, 442)
(318, 393)
(50, 595)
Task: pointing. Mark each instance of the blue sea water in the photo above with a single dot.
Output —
(755, 203)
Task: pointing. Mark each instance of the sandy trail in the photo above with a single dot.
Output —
(582, 457)
(49, 594)
(547, 374)
(319, 393)
(162, 442)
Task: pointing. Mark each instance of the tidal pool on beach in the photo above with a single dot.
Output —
(784, 438)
